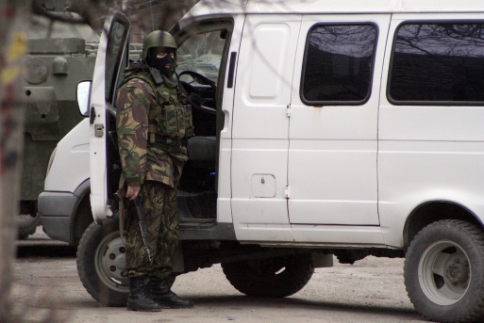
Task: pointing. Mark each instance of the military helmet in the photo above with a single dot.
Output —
(157, 38)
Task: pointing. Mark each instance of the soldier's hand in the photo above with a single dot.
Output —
(133, 191)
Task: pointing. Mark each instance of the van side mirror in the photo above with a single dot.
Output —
(83, 96)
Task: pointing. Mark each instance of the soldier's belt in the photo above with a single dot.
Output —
(159, 139)
(172, 146)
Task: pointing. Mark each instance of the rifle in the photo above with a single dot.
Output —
(140, 215)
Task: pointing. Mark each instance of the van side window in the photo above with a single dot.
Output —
(338, 64)
(201, 62)
(438, 62)
(202, 53)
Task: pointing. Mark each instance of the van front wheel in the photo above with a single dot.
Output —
(273, 277)
(443, 271)
(100, 263)
(101, 260)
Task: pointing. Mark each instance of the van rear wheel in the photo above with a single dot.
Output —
(273, 277)
(443, 271)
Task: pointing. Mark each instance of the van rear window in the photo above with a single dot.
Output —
(338, 64)
(438, 62)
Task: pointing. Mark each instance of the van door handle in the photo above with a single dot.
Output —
(92, 115)
(230, 81)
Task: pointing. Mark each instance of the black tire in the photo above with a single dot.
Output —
(27, 225)
(273, 277)
(101, 261)
(444, 273)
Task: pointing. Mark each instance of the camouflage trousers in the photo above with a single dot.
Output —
(161, 219)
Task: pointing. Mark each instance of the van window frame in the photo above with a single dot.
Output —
(305, 60)
(121, 59)
(392, 58)
(208, 25)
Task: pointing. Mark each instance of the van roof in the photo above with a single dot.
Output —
(214, 7)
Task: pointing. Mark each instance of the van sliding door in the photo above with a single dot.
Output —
(333, 127)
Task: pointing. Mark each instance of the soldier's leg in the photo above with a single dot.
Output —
(137, 262)
(167, 240)
(138, 265)
(165, 253)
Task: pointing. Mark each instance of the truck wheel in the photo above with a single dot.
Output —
(101, 259)
(273, 277)
(27, 225)
(100, 263)
(444, 272)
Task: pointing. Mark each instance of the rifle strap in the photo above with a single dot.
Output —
(121, 207)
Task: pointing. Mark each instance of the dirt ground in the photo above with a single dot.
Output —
(371, 290)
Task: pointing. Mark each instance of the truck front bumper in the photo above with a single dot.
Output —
(56, 210)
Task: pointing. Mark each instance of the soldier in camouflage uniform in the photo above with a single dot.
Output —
(153, 126)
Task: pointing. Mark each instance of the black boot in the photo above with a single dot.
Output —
(162, 294)
(138, 298)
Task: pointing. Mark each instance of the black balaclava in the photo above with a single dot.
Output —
(160, 63)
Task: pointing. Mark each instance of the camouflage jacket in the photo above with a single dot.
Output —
(152, 126)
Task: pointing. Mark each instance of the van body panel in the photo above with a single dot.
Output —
(264, 232)
(260, 124)
(338, 235)
(427, 152)
(73, 151)
(362, 7)
(224, 211)
(333, 7)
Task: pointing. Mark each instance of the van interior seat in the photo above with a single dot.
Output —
(202, 151)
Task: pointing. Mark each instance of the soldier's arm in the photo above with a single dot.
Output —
(132, 104)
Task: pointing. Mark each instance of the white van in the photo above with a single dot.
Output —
(346, 128)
